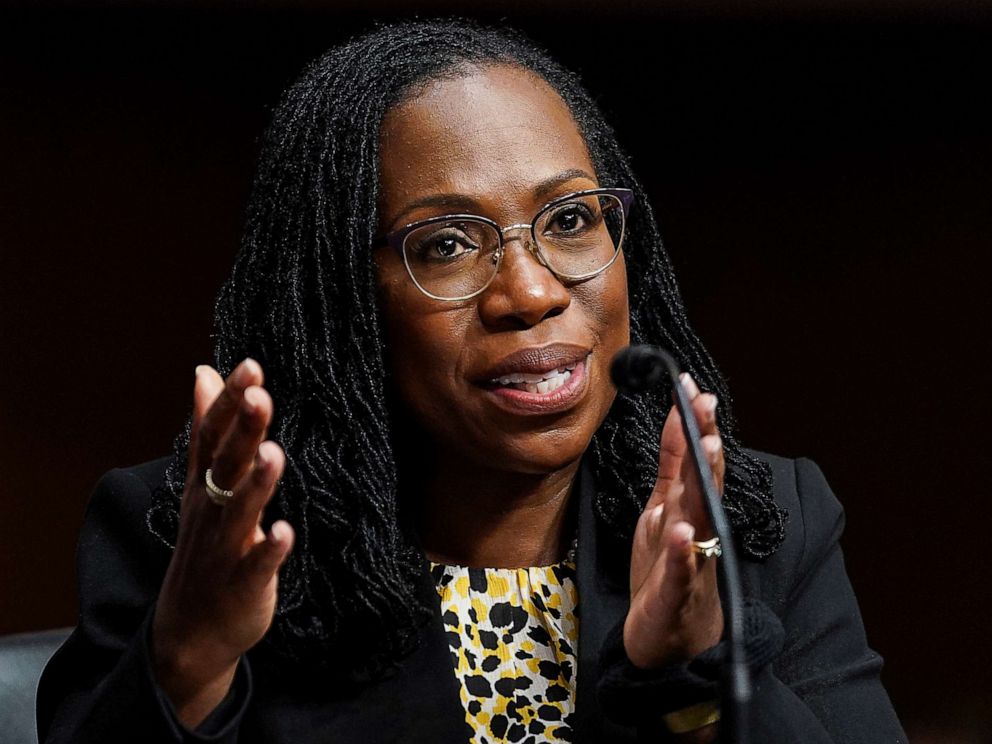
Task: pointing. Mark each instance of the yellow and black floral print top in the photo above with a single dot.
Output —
(513, 635)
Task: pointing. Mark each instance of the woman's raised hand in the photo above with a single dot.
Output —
(675, 611)
(219, 593)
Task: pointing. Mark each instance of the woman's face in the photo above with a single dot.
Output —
(500, 143)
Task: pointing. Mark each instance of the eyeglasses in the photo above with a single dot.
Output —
(456, 256)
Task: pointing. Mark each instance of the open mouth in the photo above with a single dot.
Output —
(536, 393)
(539, 384)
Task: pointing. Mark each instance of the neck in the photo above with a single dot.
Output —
(473, 516)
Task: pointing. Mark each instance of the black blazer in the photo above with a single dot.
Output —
(99, 687)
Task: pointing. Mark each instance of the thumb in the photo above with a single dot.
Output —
(680, 564)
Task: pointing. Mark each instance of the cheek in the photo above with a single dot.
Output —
(609, 318)
(426, 349)
(424, 341)
(604, 300)
(617, 300)
(416, 363)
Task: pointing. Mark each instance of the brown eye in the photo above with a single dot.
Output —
(446, 247)
(567, 220)
(571, 218)
(445, 243)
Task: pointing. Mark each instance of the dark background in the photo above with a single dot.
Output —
(821, 172)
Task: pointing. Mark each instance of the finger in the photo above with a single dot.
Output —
(671, 457)
(236, 454)
(691, 388)
(704, 407)
(713, 447)
(217, 418)
(255, 491)
(209, 384)
(654, 528)
(647, 545)
(206, 388)
(673, 445)
(672, 461)
(264, 559)
(652, 534)
(683, 559)
(675, 572)
(692, 502)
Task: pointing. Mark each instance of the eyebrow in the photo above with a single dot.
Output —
(463, 203)
(545, 187)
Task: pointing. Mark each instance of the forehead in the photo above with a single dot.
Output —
(489, 129)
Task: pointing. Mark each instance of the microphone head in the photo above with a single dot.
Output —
(638, 368)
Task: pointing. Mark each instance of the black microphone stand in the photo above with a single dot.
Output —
(640, 368)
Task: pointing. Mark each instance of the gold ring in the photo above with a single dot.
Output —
(708, 548)
(215, 493)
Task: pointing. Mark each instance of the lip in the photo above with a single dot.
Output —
(535, 360)
(539, 361)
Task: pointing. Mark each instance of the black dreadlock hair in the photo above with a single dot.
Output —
(301, 300)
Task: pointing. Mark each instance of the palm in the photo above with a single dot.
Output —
(220, 590)
(675, 610)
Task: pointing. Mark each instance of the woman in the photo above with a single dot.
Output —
(478, 539)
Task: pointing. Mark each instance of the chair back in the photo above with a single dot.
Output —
(22, 658)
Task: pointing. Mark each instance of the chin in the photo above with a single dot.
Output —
(539, 452)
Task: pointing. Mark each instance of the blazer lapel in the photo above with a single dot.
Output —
(418, 701)
(421, 700)
(603, 602)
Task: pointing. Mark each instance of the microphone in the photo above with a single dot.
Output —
(638, 369)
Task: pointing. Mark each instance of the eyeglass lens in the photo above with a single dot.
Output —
(457, 257)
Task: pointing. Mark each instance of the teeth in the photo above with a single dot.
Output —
(535, 379)
(546, 386)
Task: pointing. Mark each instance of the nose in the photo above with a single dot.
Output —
(524, 291)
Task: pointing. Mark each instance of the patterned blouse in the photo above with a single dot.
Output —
(513, 635)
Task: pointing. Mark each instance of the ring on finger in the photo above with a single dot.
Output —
(708, 548)
(215, 493)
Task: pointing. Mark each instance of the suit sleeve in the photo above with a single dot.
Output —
(100, 687)
(824, 686)
(815, 680)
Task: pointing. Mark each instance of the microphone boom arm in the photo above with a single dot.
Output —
(639, 368)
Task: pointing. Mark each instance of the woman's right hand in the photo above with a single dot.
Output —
(219, 593)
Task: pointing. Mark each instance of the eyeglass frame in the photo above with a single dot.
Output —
(397, 239)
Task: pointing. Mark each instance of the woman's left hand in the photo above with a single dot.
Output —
(675, 611)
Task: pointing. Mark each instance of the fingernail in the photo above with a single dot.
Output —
(267, 453)
(240, 375)
(689, 384)
(281, 532)
(243, 373)
(714, 451)
(252, 399)
(709, 408)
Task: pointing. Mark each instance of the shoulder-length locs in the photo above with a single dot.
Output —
(301, 300)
